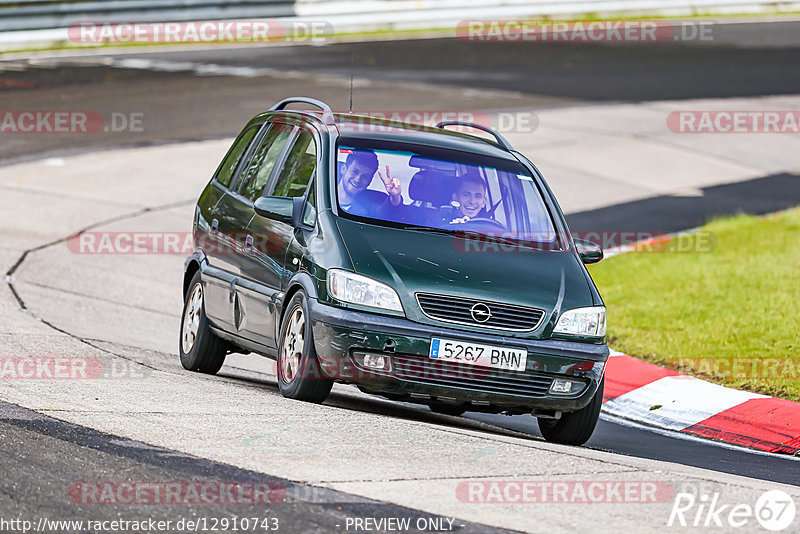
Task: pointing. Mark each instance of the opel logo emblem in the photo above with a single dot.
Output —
(481, 312)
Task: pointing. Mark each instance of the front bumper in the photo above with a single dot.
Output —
(414, 377)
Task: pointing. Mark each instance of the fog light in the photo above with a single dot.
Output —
(376, 362)
(564, 386)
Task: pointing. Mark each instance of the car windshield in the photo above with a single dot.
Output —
(442, 191)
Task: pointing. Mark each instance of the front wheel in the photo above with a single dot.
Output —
(299, 374)
(574, 428)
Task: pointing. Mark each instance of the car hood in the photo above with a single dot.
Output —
(414, 261)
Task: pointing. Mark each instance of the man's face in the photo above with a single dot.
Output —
(357, 177)
(472, 198)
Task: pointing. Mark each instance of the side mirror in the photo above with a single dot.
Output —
(588, 251)
(284, 209)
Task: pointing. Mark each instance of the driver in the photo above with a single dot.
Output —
(469, 200)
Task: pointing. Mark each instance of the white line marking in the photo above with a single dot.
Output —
(677, 402)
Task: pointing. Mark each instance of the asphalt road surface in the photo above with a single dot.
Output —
(45, 460)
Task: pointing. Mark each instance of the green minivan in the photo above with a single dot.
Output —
(422, 264)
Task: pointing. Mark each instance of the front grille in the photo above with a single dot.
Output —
(416, 369)
(459, 310)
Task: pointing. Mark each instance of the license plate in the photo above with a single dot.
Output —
(477, 354)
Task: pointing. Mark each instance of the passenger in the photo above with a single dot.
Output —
(355, 178)
(469, 200)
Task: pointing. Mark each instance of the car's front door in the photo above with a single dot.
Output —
(263, 165)
(265, 271)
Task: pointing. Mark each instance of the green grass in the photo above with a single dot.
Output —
(731, 315)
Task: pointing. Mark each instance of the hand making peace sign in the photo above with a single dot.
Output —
(392, 186)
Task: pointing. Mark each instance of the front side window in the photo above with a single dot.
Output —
(442, 190)
(232, 160)
(300, 164)
(264, 160)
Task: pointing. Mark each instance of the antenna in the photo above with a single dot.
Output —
(352, 68)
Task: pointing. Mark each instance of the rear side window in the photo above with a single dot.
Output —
(264, 161)
(234, 157)
(298, 169)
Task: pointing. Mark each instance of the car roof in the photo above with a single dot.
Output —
(362, 127)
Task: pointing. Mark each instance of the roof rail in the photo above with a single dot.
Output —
(327, 112)
(499, 138)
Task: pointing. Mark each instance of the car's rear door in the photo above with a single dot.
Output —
(213, 218)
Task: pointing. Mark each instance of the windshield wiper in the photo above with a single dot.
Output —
(428, 229)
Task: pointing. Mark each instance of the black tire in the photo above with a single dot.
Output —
(207, 352)
(455, 410)
(574, 428)
(299, 374)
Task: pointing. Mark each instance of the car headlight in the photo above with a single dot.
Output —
(588, 322)
(356, 289)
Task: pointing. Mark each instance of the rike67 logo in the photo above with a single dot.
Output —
(774, 510)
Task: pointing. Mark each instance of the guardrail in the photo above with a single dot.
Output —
(51, 14)
(45, 14)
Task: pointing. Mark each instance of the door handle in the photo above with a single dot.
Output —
(248, 243)
(214, 225)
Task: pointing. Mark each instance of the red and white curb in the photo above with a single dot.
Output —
(659, 397)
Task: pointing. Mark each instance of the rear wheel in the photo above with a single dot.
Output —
(200, 349)
(299, 374)
(574, 428)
